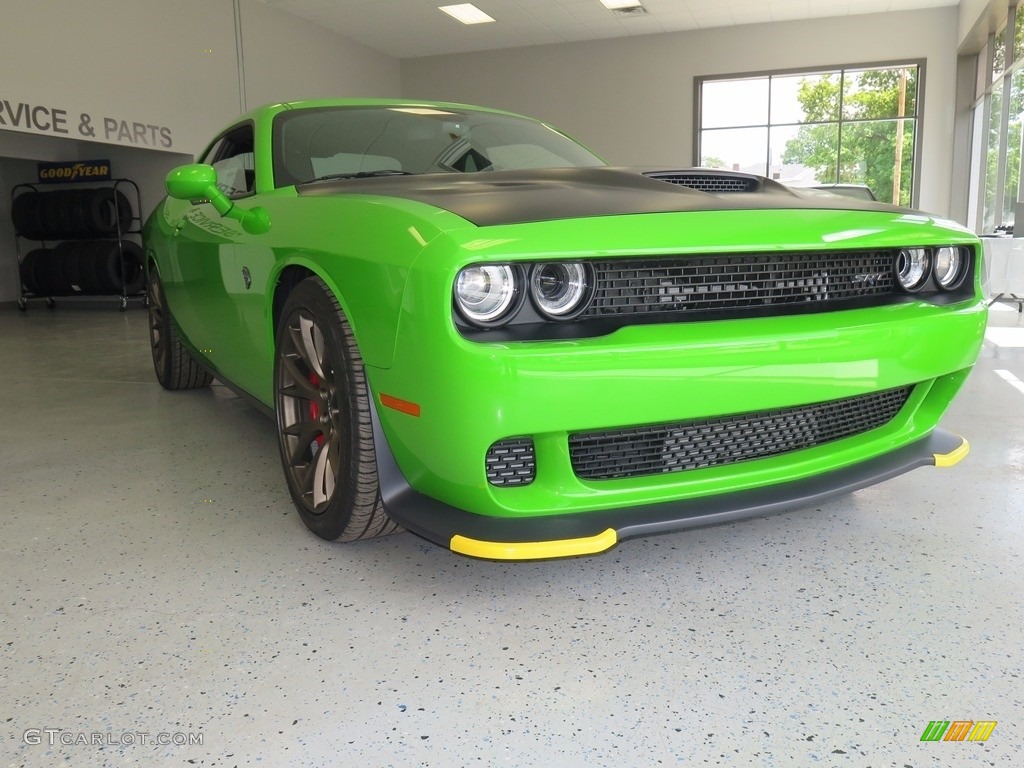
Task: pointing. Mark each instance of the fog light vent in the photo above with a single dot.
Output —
(511, 462)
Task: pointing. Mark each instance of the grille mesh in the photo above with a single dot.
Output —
(686, 445)
(717, 283)
(511, 462)
(709, 182)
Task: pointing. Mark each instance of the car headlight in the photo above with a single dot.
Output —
(912, 265)
(485, 293)
(950, 267)
(560, 289)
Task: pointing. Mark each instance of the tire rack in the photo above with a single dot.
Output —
(131, 227)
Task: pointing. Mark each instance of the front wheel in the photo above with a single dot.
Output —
(323, 419)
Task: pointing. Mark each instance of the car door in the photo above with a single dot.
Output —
(207, 289)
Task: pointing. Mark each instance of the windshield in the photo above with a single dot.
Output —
(349, 141)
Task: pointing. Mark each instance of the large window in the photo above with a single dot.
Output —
(998, 114)
(845, 125)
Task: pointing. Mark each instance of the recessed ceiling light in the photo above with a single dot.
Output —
(618, 5)
(467, 13)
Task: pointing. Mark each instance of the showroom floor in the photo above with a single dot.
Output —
(159, 587)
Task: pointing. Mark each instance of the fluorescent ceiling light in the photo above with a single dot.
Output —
(618, 5)
(467, 13)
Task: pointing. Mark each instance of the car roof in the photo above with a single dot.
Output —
(270, 110)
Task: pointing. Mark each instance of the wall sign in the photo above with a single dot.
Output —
(81, 170)
(56, 121)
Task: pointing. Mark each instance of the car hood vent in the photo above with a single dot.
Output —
(709, 181)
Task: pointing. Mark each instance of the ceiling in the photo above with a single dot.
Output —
(410, 28)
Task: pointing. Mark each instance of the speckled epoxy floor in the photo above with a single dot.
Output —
(157, 584)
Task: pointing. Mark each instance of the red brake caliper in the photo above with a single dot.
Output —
(314, 409)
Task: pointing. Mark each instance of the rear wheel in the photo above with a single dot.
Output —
(323, 419)
(174, 365)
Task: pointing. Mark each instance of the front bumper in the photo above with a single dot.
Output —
(471, 395)
(569, 535)
(465, 396)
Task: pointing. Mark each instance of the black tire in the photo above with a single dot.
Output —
(56, 214)
(328, 460)
(107, 267)
(25, 215)
(87, 281)
(47, 213)
(108, 263)
(66, 258)
(70, 254)
(30, 272)
(106, 210)
(134, 276)
(174, 365)
(57, 280)
(77, 213)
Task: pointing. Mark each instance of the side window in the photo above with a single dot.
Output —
(233, 159)
(211, 153)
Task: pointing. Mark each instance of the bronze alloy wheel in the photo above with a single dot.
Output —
(324, 427)
(312, 431)
(157, 338)
(174, 365)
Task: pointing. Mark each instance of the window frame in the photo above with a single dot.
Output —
(840, 69)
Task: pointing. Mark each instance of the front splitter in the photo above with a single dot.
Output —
(587, 533)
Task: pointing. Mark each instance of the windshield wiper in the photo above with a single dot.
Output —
(364, 174)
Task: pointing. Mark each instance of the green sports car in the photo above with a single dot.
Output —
(467, 325)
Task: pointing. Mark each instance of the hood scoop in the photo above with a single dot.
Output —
(712, 182)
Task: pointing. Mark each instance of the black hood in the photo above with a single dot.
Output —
(516, 197)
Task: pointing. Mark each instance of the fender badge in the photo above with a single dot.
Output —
(247, 278)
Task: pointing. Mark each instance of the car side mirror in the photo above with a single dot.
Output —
(192, 182)
(198, 182)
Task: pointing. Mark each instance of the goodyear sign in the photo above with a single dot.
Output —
(79, 170)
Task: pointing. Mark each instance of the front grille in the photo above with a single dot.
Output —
(714, 183)
(511, 462)
(818, 281)
(697, 444)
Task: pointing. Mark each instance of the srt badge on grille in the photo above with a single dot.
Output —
(868, 279)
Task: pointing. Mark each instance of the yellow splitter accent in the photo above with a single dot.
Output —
(534, 550)
(954, 456)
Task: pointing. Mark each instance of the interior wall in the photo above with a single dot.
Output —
(12, 173)
(170, 65)
(976, 18)
(147, 83)
(287, 59)
(631, 99)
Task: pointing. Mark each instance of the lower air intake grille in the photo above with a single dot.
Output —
(685, 445)
(511, 462)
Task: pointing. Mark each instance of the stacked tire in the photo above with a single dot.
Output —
(86, 267)
(70, 213)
